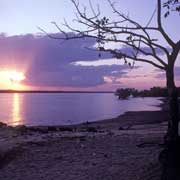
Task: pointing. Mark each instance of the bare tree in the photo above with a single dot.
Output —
(144, 45)
(139, 39)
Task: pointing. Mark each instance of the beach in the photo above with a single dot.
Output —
(122, 148)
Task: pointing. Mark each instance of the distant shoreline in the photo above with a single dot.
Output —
(46, 91)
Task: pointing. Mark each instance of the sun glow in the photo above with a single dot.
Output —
(15, 76)
(16, 117)
(12, 79)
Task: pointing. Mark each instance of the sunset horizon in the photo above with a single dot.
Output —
(89, 90)
(25, 61)
(58, 64)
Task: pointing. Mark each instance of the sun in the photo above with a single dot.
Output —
(15, 77)
(12, 79)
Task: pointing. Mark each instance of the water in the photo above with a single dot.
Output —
(67, 108)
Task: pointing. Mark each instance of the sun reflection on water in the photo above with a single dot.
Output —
(16, 117)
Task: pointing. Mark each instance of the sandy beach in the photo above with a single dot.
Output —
(122, 148)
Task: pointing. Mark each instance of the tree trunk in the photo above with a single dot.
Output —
(172, 133)
(170, 155)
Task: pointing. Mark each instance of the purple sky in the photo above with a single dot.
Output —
(48, 63)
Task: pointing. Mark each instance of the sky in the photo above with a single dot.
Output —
(48, 64)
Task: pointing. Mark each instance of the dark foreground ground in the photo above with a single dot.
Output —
(123, 148)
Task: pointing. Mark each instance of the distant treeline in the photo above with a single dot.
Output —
(47, 91)
(153, 92)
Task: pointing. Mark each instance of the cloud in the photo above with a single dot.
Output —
(48, 62)
(74, 76)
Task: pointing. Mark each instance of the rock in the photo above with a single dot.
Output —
(8, 153)
(121, 128)
(82, 138)
(66, 129)
(110, 133)
(52, 128)
(2, 125)
(40, 129)
(87, 122)
(128, 127)
(91, 129)
(21, 129)
(94, 164)
(105, 155)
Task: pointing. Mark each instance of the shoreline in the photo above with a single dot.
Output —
(124, 119)
(126, 146)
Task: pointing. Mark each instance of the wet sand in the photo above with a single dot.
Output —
(122, 148)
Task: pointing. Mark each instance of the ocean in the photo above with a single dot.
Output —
(33, 109)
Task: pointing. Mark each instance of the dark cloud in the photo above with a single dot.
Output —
(75, 76)
(49, 62)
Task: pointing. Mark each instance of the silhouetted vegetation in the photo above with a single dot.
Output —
(124, 93)
(171, 5)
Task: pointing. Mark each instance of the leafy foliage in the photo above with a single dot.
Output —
(123, 93)
(171, 5)
(153, 92)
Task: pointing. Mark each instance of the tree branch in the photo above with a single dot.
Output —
(165, 35)
(121, 55)
(125, 31)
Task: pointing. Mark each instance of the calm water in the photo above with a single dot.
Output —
(72, 108)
